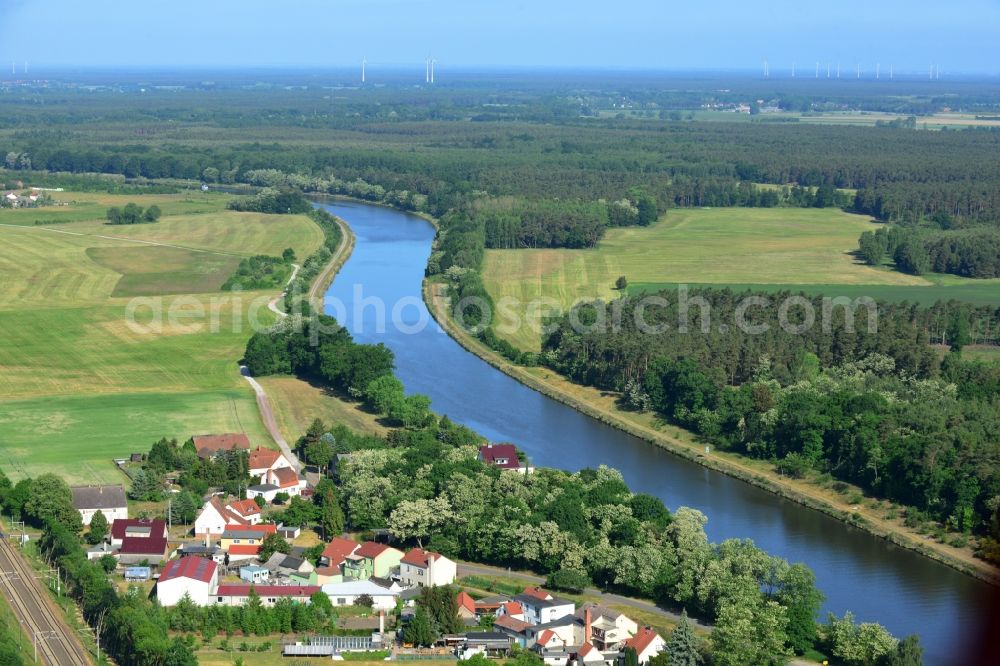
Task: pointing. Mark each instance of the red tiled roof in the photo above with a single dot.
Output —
(419, 557)
(465, 601)
(513, 608)
(493, 454)
(338, 549)
(268, 590)
(245, 507)
(546, 636)
(244, 549)
(371, 550)
(286, 476)
(642, 640)
(537, 593)
(227, 515)
(209, 445)
(121, 525)
(585, 649)
(261, 458)
(512, 623)
(198, 568)
(143, 546)
(265, 529)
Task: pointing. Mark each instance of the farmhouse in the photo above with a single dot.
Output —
(371, 560)
(237, 595)
(209, 446)
(503, 456)
(422, 568)
(196, 577)
(109, 500)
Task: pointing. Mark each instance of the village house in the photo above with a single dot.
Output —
(263, 460)
(242, 542)
(196, 577)
(371, 560)
(150, 550)
(516, 630)
(347, 593)
(540, 607)
(215, 516)
(237, 595)
(466, 606)
(503, 456)
(280, 480)
(332, 559)
(209, 446)
(422, 568)
(646, 643)
(299, 570)
(608, 629)
(109, 500)
(137, 529)
(510, 609)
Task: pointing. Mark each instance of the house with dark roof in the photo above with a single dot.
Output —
(503, 456)
(371, 560)
(422, 568)
(136, 528)
(150, 550)
(109, 500)
(299, 570)
(196, 577)
(540, 607)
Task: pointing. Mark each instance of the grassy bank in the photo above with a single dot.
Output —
(874, 517)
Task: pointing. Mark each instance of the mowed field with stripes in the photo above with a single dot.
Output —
(111, 337)
(765, 249)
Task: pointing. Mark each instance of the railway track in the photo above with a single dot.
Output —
(55, 642)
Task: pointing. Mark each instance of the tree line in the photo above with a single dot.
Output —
(873, 408)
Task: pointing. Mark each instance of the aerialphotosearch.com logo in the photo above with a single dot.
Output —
(652, 314)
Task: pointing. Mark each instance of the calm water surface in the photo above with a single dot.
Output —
(856, 571)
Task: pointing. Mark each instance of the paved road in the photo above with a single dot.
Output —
(607, 598)
(56, 642)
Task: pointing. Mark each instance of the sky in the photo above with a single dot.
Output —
(961, 36)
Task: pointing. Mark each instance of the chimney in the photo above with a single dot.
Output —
(430, 569)
(381, 622)
(586, 626)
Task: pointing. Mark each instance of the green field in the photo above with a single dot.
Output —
(744, 246)
(88, 374)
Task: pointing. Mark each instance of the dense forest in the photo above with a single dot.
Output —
(875, 408)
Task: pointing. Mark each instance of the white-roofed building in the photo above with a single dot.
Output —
(346, 594)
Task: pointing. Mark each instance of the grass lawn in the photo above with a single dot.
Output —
(297, 403)
(785, 246)
(78, 206)
(86, 376)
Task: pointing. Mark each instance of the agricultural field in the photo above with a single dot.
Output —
(87, 372)
(722, 246)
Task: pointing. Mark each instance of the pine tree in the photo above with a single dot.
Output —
(682, 647)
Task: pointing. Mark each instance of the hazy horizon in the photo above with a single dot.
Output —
(637, 35)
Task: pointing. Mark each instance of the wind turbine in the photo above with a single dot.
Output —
(878, 68)
(827, 70)
(364, 62)
(432, 70)
(838, 70)
(859, 70)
